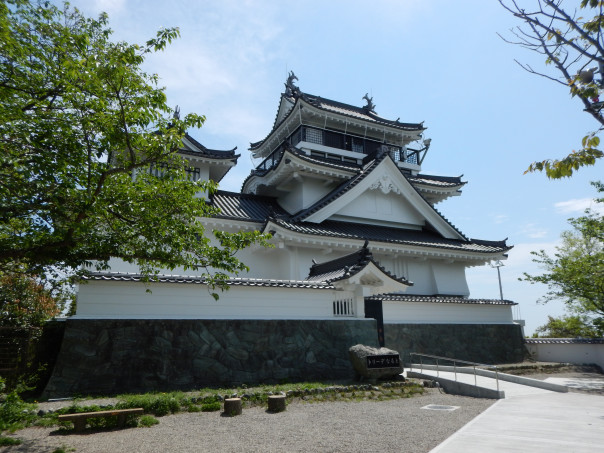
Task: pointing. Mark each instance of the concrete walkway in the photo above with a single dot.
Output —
(531, 419)
(511, 389)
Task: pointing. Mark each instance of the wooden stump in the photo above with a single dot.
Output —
(276, 403)
(232, 406)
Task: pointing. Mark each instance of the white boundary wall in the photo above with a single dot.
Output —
(445, 313)
(578, 353)
(130, 300)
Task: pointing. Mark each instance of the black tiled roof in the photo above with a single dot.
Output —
(564, 340)
(433, 180)
(250, 208)
(206, 152)
(348, 230)
(360, 113)
(357, 112)
(253, 208)
(186, 279)
(439, 299)
(346, 267)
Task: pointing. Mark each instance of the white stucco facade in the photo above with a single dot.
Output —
(341, 188)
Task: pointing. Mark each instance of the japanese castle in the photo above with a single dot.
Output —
(354, 225)
(356, 234)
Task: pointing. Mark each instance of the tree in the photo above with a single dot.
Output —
(573, 45)
(81, 124)
(569, 326)
(575, 274)
(27, 302)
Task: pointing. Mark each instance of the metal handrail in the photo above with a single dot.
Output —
(455, 362)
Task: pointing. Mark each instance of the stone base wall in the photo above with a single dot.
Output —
(120, 356)
(484, 343)
(29, 352)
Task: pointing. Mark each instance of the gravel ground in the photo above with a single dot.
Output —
(388, 426)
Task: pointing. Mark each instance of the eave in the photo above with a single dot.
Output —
(437, 188)
(302, 108)
(281, 233)
(294, 164)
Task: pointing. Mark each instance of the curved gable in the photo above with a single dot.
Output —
(397, 202)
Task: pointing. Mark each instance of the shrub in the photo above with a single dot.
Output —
(147, 421)
(158, 404)
(15, 413)
(8, 441)
(211, 407)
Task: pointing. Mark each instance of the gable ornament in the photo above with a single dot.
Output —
(385, 184)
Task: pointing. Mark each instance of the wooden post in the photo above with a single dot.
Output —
(232, 406)
(276, 403)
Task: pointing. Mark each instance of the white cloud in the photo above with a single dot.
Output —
(533, 231)
(578, 205)
(500, 218)
(520, 258)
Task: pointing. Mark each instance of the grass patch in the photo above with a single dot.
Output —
(16, 414)
(146, 421)
(8, 441)
(211, 407)
(158, 404)
(63, 449)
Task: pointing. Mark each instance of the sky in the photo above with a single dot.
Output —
(437, 61)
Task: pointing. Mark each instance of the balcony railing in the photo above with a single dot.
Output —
(337, 140)
(272, 160)
(349, 142)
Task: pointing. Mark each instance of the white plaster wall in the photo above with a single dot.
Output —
(577, 353)
(272, 263)
(285, 262)
(433, 313)
(126, 300)
(428, 276)
(375, 207)
(420, 273)
(204, 174)
(304, 193)
(450, 278)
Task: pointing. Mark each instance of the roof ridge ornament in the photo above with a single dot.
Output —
(370, 107)
(290, 88)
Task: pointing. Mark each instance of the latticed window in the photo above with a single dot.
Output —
(314, 136)
(193, 174)
(357, 145)
(343, 307)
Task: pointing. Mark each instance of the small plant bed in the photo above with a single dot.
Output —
(154, 405)
(319, 393)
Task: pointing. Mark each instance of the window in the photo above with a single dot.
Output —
(314, 136)
(193, 174)
(343, 307)
(357, 145)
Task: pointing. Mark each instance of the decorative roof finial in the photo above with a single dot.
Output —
(370, 105)
(176, 114)
(290, 88)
